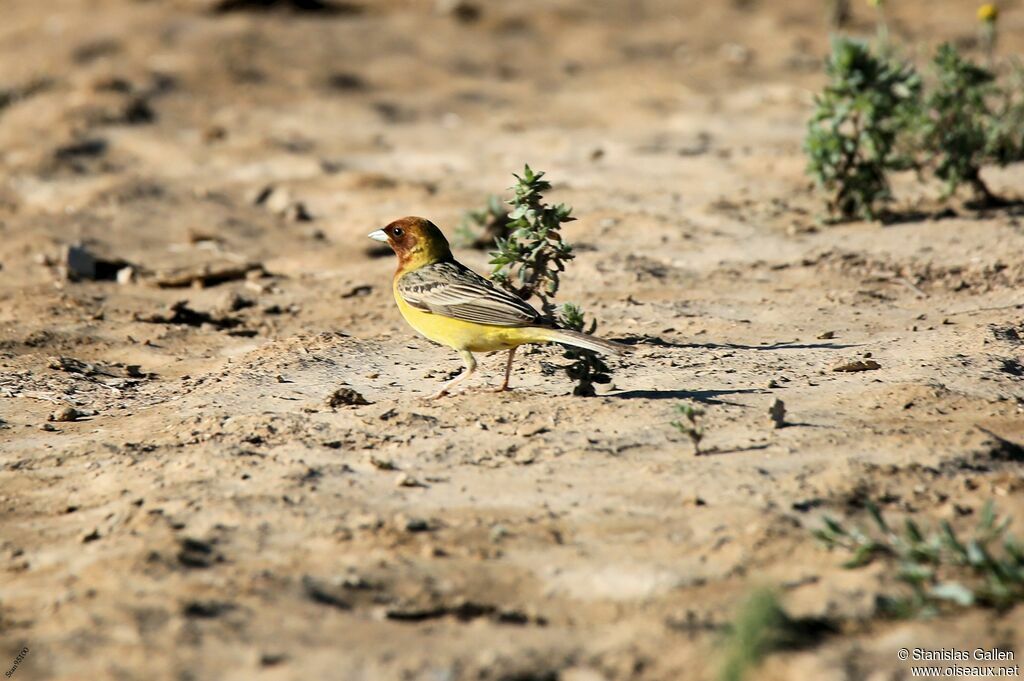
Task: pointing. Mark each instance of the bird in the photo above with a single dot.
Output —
(452, 305)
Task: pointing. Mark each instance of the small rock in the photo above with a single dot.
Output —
(259, 196)
(406, 480)
(345, 397)
(207, 609)
(48, 427)
(357, 291)
(198, 553)
(462, 10)
(272, 659)
(382, 464)
(278, 201)
(125, 276)
(858, 365)
(325, 593)
(214, 133)
(826, 335)
(417, 525)
(91, 537)
(66, 414)
(234, 301)
(297, 212)
(778, 413)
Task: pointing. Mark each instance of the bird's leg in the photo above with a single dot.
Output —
(508, 371)
(470, 361)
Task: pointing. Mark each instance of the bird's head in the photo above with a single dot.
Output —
(416, 241)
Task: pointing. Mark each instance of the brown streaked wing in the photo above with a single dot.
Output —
(452, 290)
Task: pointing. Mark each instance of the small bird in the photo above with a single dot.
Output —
(452, 305)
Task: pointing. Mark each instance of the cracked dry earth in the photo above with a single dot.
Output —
(207, 513)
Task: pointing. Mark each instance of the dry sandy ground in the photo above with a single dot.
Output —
(209, 516)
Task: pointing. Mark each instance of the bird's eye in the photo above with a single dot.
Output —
(397, 232)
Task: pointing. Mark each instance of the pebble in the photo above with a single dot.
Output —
(417, 525)
(406, 480)
(345, 397)
(66, 414)
(125, 276)
(858, 365)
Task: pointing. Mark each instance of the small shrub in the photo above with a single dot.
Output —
(958, 124)
(529, 262)
(939, 568)
(852, 136)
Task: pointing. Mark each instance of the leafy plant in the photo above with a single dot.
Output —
(529, 262)
(587, 367)
(690, 425)
(481, 228)
(1006, 130)
(957, 127)
(940, 568)
(851, 138)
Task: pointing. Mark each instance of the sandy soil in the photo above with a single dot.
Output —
(208, 516)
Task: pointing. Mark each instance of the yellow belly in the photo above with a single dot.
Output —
(462, 335)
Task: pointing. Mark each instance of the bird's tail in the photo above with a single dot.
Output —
(584, 340)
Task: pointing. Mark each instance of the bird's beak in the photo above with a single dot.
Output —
(379, 235)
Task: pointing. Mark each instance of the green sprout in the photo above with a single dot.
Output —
(690, 425)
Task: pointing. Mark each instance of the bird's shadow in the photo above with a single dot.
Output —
(702, 396)
(780, 345)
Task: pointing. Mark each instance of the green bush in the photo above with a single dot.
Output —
(957, 124)
(875, 116)
(852, 136)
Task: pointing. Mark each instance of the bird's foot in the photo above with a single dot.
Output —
(501, 389)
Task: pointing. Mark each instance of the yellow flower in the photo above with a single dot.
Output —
(988, 13)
